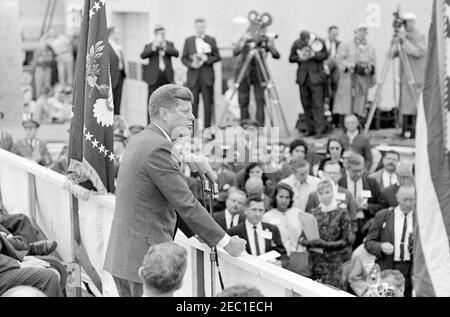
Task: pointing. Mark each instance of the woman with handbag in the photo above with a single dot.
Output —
(329, 252)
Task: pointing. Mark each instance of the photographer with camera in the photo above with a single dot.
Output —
(413, 43)
(310, 53)
(254, 38)
(356, 60)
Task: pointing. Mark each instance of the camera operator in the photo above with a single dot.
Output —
(413, 43)
(356, 60)
(310, 54)
(253, 75)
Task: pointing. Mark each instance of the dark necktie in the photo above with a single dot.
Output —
(402, 242)
(258, 252)
(354, 188)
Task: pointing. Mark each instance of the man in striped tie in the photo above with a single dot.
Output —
(390, 238)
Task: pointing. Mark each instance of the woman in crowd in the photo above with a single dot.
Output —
(285, 217)
(335, 149)
(254, 169)
(335, 237)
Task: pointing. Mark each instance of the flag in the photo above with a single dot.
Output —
(91, 153)
(432, 249)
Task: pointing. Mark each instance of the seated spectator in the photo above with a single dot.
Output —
(261, 237)
(135, 129)
(254, 187)
(6, 141)
(285, 217)
(254, 169)
(23, 291)
(404, 176)
(332, 171)
(163, 269)
(354, 140)
(31, 147)
(360, 266)
(335, 149)
(226, 179)
(335, 237)
(298, 149)
(387, 176)
(367, 194)
(301, 183)
(241, 291)
(234, 211)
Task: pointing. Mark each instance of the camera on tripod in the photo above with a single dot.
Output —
(258, 28)
(398, 22)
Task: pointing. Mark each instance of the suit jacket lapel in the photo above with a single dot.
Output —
(266, 241)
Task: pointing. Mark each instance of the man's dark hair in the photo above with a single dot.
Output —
(166, 97)
(199, 20)
(163, 267)
(288, 188)
(299, 163)
(241, 291)
(333, 27)
(252, 197)
(296, 143)
(392, 152)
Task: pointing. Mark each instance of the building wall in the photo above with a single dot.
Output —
(137, 18)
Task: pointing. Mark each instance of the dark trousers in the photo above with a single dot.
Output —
(162, 80)
(117, 94)
(208, 101)
(409, 124)
(127, 288)
(405, 268)
(312, 97)
(43, 279)
(20, 226)
(244, 99)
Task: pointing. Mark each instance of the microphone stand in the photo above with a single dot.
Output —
(212, 189)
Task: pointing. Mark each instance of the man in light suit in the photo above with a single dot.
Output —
(261, 237)
(233, 215)
(200, 53)
(152, 194)
(387, 176)
(159, 71)
(117, 66)
(390, 237)
(31, 147)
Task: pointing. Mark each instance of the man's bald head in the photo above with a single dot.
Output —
(254, 185)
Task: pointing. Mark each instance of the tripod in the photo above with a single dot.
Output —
(412, 85)
(212, 188)
(271, 94)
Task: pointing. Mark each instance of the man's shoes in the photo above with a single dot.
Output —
(43, 247)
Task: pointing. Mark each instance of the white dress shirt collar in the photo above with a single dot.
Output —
(386, 178)
(399, 219)
(231, 220)
(352, 135)
(164, 132)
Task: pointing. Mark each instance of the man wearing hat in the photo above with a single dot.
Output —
(159, 71)
(413, 43)
(356, 59)
(31, 147)
(6, 141)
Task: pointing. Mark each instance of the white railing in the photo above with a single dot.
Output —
(42, 195)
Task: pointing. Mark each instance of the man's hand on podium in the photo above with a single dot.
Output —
(236, 246)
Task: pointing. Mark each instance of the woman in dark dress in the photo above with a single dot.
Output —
(335, 237)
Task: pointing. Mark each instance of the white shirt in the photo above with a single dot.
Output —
(331, 47)
(201, 46)
(226, 239)
(251, 238)
(352, 135)
(301, 191)
(231, 220)
(388, 179)
(399, 219)
(289, 225)
(118, 50)
(351, 187)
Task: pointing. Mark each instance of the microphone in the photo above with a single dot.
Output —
(200, 164)
(189, 159)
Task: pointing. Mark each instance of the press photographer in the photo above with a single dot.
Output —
(310, 53)
(255, 41)
(413, 44)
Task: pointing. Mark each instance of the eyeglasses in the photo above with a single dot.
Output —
(335, 148)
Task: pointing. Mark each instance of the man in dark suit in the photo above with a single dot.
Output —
(200, 52)
(390, 237)
(261, 237)
(367, 194)
(152, 194)
(354, 140)
(252, 76)
(31, 147)
(159, 71)
(310, 55)
(116, 66)
(233, 214)
(404, 176)
(332, 43)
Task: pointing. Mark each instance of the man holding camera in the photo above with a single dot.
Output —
(356, 60)
(413, 43)
(253, 75)
(199, 55)
(310, 53)
(159, 71)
